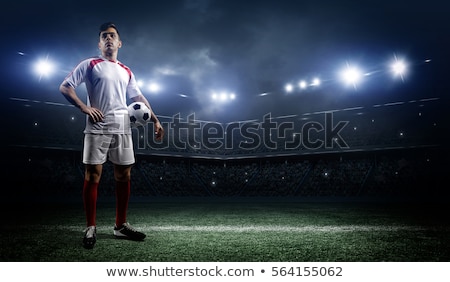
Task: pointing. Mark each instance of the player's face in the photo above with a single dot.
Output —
(109, 40)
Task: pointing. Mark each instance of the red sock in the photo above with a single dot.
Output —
(90, 201)
(122, 198)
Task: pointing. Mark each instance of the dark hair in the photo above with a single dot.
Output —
(107, 25)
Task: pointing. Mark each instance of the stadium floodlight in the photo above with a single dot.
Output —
(223, 96)
(315, 82)
(154, 87)
(351, 75)
(302, 84)
(399, 68)
(44, 67)
(289, 88)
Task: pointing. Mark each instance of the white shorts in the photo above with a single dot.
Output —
(118, 148)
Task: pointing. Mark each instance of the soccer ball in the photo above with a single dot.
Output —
(139, 114)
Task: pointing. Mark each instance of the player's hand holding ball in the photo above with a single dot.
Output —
(159, 131)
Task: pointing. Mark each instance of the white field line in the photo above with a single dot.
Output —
(259, 228)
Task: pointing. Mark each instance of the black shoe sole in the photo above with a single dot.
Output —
(89, 243)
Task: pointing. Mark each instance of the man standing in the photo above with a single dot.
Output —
(107, 132)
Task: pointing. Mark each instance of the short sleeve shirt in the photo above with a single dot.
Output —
(107, 83)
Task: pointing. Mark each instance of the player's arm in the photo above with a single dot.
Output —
(70, 94)
(159, 130)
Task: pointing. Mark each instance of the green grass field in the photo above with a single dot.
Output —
(241, 231)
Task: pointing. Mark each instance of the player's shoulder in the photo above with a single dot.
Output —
(89, 61)
(92, 58)
(123, 65)
(130, 73)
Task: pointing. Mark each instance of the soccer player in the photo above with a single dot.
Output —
(107, 134)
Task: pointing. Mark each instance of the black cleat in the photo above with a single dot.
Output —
(125, 231)
(90, 237)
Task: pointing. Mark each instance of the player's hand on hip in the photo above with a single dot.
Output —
(95, 115)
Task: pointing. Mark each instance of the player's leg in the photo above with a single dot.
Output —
(94, 155)
(122, 175)
(90, 191)
(122, 228)
(122, 155)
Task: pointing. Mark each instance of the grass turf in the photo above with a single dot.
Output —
(233, 232)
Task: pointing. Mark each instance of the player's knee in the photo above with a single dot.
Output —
(122, 178)
(93, 173)
(122, 174)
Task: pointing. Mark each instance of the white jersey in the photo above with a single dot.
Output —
(108, 83)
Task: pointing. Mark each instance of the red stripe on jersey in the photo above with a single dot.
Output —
(126, 68)
(94, 62)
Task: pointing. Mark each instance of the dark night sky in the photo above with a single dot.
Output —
(192, 48)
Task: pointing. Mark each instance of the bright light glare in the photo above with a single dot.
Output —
(154, 87)
(399, 68)
(302, 84)
(315, 82)
(44, 68)
(351, 75)
(223, 96)
(289, 87)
